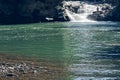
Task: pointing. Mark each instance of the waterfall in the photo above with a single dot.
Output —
(78, 11)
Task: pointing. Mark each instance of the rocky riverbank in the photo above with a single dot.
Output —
(102, 12)
(18, 68)
(32, 11)
(108, 13)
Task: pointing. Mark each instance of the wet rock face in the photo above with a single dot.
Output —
(102, 12)
(28, 11)
(108, 10)
(74, 10)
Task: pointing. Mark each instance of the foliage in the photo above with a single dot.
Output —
(24, 11)
(27, 11)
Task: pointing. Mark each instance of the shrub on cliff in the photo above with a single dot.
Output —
(25, 11)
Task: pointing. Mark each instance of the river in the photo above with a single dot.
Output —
(89, 51)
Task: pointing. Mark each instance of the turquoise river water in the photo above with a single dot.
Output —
(90, 50)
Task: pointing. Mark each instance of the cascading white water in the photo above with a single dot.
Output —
(83, 11)
(78, 11)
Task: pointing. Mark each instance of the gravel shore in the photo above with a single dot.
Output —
(17, 68)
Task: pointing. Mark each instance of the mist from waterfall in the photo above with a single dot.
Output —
(78, 11)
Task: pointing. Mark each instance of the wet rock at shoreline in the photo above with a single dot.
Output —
(102, 13)
(15, 69)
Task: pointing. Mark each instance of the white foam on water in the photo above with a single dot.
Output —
(78, 11)
(93, 78)
(82, 13)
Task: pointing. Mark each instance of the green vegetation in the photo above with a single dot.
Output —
(28, 11)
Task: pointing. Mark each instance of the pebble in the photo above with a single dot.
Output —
(10, 74)
(10, 70)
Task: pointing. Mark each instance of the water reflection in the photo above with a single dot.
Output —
(113, 52)
(96, 51)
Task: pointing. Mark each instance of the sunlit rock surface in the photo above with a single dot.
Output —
(103, 11)
(79, 11)
(29, 11)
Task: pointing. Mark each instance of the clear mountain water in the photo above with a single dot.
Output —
(90, 50)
